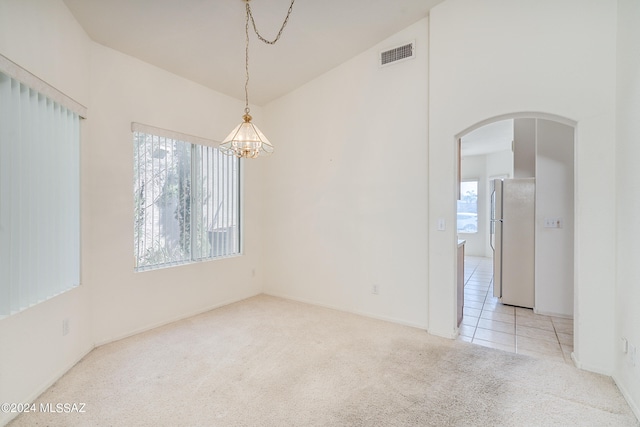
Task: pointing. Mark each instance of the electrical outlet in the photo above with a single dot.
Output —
(375, 289)
(624, 346)
(442, 224)
(65, 326)
(553, 222)
(633, 355)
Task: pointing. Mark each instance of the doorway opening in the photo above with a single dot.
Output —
(541, 150)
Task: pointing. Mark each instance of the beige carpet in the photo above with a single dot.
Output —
(272, 362)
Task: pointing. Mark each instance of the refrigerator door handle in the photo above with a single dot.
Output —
(492, 220)
(493, 234)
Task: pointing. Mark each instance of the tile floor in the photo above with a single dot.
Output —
(491, 324)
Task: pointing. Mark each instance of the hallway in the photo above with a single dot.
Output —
(488, 323)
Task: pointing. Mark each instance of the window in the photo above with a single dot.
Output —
(468, 207)
(39, 190)
(186, 199)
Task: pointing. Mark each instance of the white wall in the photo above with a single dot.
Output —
(346, 190)
(628, 199)
(529, 56)
(524, 148)
(554, 149)
(43, 37)
(113, 301)
(125, 90)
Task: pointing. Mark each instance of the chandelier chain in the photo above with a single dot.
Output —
(246, 61)
(284, 24)
(255, 29)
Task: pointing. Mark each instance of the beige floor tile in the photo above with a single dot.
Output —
(501, 317)
(463, 338)
(474, 312)
(477, 298)
(492, 300)
(565, 338)
(499, 308)
(540, 334)
(494, 336)
(478, 283)
(541, 346)
(564, 328)
(521, 311)
(494, 325)
(567, 347)
(482, 294)
(555, 356)
(469, 320)
(473, 304)
(471, 291)
(562, 320)
(509, 348)
(534, 322)
(466, 330)
(509, 328)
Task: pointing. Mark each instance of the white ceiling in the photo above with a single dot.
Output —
(203, 40)
(491, 138)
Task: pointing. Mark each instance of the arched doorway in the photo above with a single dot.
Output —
(541, 151)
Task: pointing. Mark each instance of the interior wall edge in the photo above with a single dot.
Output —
(596, 369)
(347, 310)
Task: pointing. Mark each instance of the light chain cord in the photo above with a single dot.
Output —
(284, 24)
(255, 28)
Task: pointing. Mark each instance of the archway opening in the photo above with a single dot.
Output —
(504, 259)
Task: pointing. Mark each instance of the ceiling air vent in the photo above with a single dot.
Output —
(397, 54)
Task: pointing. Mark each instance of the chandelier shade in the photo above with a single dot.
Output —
(246, 141)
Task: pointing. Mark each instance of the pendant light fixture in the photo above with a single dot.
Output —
(246, 140)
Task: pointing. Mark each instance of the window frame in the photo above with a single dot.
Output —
(196, 143)
(477, 203)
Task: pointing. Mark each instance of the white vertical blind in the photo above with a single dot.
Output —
(39, 197)
(186, 199)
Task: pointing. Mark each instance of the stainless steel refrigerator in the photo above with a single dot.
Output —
(513, 240)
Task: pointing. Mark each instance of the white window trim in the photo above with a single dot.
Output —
(16, 72)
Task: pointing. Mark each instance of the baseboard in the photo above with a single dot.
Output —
(627, 396)
(45, 386)
(345, 310)
(173, 319)
(450, 336)
(590, 368)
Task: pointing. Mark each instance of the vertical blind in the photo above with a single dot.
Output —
(186, 199)
(39, 197)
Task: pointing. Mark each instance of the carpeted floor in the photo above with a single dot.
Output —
(271, 362)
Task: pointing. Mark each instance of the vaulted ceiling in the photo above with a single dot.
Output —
(203, 40)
